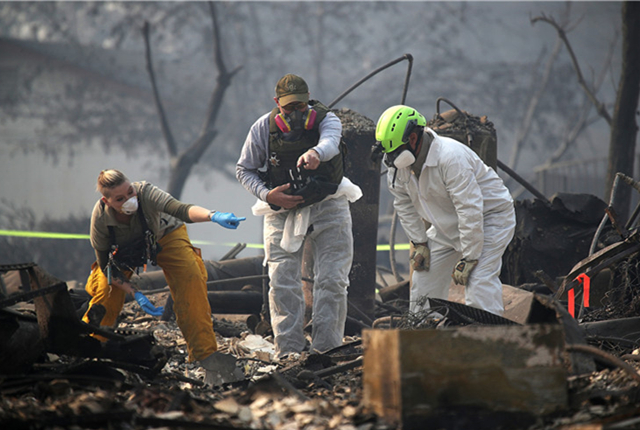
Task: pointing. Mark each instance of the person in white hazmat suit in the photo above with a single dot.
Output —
(292, 162)
(471, 213)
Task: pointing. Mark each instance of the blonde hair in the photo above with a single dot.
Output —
(109, 179)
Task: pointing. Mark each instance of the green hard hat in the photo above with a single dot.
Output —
(395, 126)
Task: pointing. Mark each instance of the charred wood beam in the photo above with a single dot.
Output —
(546, 280)
(225, 302)
(17, 266)
(392, 308)
(620, 342)
(25, 297)
(608, 358)
(235, 271)
(220, 284)
(339, 368)
(240, 279)
(621, 330)
(395, 291)
(19, 382)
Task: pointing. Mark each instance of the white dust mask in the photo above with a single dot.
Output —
(130, 206)
(404, 159)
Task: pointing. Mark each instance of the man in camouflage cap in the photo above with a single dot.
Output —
(291, 88)
(292, 162)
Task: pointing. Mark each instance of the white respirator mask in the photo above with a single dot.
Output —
(400, 161)
(130, 206)
(404, 159)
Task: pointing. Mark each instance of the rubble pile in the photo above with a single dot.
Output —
(301, 392)
(622, 298)
(353, 122)
(54, 376)
(71, 392)
(550, 236)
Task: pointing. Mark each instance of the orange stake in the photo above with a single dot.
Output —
(586, 285)
(572, 302)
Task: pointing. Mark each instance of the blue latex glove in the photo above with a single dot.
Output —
(147, 306)
(226, 219)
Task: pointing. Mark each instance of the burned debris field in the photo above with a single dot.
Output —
(565, 354)
(538, 367)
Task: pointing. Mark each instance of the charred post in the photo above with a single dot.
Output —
(359, 134)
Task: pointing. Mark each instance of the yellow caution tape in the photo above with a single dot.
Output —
(397, 247)
(49, 235)
(42, 234)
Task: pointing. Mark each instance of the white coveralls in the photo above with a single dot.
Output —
(471, 214)
(332, 244)
(326, 223)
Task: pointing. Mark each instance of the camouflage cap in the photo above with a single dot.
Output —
(292, 88)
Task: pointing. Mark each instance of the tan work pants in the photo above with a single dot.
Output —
(187, 278)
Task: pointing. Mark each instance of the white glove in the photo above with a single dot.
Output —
(462, 271)
(420, 257)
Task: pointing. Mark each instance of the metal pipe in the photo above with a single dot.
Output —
(233, 252)
(594, 241)
(392, 247)
(522, 182)
(407, 57)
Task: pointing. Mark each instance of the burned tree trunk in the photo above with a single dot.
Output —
(183, 162)
(624, 128)
(358, 132)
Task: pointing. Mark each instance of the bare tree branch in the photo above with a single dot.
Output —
(583, 122)
(600, 107)
(182, 165)
(223, 79)
(166, 130)
(524, 129)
